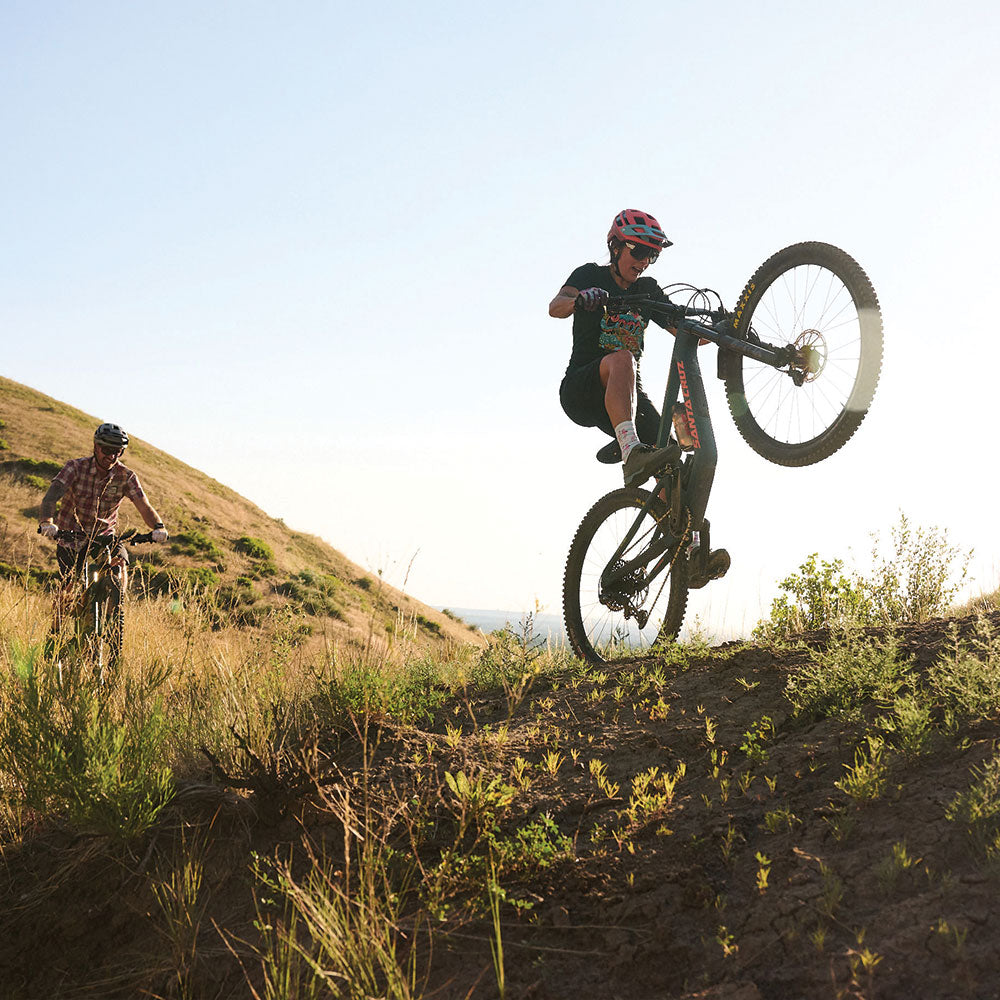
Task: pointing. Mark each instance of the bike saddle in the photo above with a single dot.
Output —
(610, 454)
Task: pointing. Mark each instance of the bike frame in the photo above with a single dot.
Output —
(685, 382)
(96, 571)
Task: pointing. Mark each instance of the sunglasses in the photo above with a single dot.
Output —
(110, 452)
(639, 252)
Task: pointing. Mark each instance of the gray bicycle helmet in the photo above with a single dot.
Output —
(111, 435)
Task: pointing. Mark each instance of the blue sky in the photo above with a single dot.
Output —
(309, 248)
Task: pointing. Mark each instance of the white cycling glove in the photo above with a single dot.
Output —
(49, 530)
(160, 534)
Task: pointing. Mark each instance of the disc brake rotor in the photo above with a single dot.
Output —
(810, 355)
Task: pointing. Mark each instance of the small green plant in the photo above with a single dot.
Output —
(780, 819)
(763, 871)
(890, 869)
(755, 740)
(978, 809)
(652, 793)
(832, 893)
(553, 761)
(179, 893)
(909, 723)
(729, 839)
(866, 778)
(726, 941)
(599, 772)
(496, 941)
(967, 678)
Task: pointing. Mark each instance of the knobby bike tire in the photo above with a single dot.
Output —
(809, 292)
(103, 622)
(597, 631)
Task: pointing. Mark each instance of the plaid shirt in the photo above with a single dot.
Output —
(93, 497)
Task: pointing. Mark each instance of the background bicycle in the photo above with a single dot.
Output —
(800, 356)
(90, 605)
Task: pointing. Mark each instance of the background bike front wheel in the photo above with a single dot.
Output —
(598, 623)
(818, 298)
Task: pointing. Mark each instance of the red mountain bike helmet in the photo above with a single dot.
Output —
(111, 435)
(633, 226)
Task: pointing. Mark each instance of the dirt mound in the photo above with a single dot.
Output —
(723, 845)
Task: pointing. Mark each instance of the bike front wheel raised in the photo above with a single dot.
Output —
(601, 621)
(817, 298)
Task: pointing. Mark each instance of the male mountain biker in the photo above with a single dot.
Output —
(602, 387)
(89, 491)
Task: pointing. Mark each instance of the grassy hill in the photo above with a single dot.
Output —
(251, 565)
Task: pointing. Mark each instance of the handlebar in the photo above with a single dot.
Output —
(97, 542)
(667, 310)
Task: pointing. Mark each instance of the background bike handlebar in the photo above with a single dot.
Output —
(97, 542)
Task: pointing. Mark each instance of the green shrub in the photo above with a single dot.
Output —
(33, 466)
(818, 596)
(920, 577)
(201, 578)
(36, 482)
(254, 548)
(3, 445)
(31, 575)
(851, 671)
(433, 627)
(196, 543)
(69, 752)
(912, 584)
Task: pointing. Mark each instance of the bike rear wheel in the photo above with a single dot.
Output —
(601, 624)
(818, 298)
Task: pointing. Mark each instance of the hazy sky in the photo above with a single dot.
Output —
(308, 248)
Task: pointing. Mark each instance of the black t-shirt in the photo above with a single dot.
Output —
(595, 334)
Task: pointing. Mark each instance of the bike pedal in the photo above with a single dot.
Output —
(718, 566)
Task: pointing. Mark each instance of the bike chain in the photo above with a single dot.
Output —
(680, 547)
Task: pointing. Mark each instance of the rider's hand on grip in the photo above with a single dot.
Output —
(49, 530)
(592, 298)
(160, 534)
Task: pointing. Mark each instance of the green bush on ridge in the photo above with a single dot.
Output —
(917, 581)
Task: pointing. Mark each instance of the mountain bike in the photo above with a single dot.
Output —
(94, 598)
(800, 356)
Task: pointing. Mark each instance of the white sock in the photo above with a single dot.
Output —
(627, 437)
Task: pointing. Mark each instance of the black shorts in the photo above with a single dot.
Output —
(582, 397)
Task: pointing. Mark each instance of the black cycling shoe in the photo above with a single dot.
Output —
(610, 454)
(643, 460)
(716, 566)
